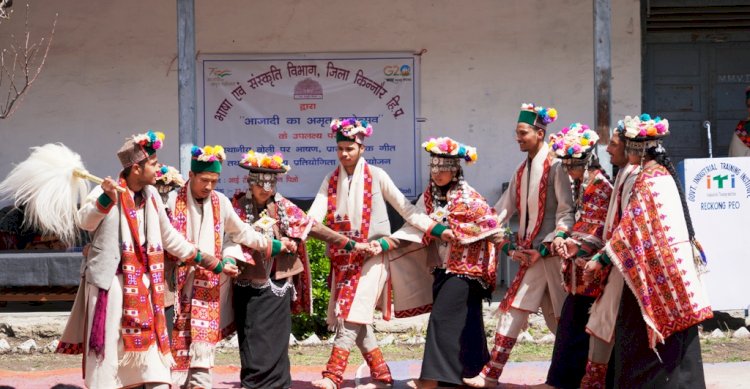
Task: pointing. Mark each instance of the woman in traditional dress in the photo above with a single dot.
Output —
(655, 250)
(463, 273)
(574, 146)
(270, 289)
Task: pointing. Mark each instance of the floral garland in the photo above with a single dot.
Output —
(208, 153)
(447, 147)
(153, 140)
(263, 160)
(548, 115)
(643, 127)
(351, 127)
(168, 175)
(573, 141)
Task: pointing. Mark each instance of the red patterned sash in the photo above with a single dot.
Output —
(141, 325)
(199, 317)
(526, 243)
(347, 266)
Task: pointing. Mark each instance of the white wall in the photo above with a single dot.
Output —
(110, 72)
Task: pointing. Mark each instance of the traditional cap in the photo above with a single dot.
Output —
(351, 130)
(537, 116)
(139, 147)
(207, 159)
(573, 144)
(169, 175)
(264, 169)
(446, 154)
(643, 132)
(167, 179)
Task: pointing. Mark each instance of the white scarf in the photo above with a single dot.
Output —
(200, 227)
(530, 180)
(350, 194)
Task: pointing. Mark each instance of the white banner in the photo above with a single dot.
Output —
(285, 103)
(718, 196)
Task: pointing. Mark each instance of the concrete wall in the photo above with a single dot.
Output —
(112, 71)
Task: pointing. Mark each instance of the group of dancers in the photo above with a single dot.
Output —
(174, 267)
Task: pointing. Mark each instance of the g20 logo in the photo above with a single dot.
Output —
(395, 70)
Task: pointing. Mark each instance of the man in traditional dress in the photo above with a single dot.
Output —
(351, 200)
(574, 147)
(204, 314)
(448, 280)
(653, 247)
(270, 289)
(117, 320)
(540, 192)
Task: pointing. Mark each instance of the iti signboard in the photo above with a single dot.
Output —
(718, 196)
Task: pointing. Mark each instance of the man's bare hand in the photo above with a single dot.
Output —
(589, 272)
(532, 255)
(289, 246)
(448, 236)
(108, 186)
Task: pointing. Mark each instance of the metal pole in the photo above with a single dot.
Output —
(186, 91)
(707, 126)
(602, 75)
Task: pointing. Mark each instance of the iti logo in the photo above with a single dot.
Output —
(221, 73)
(720, 181)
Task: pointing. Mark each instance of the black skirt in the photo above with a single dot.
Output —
(263, 326)
(637, 366)
(571, 343)
(456, 346)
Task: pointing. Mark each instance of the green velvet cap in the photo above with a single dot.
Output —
(202, 166)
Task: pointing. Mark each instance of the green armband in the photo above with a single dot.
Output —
(384, 244)
(561, 234)
(104, 201)
(438, 230)
(350, 245)
(543, 250)
(198, 257)
(275, 247)
(582, 253)
(229, 260)
(219, 267)
(602, 258)
(508, 247)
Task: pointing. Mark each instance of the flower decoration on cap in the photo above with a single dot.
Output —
(264, 161)
(150, 139)
(537, 116)
(448, 148)
(574, 141)
(351, 129)
(169, 175)
(208, 153)
(644, 127)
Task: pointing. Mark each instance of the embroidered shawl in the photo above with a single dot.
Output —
(589, 230)
(142, 325)
(472, 220)
(293, 223)
(197, 326)
(651, 248)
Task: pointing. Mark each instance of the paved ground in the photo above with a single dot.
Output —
(721, 375)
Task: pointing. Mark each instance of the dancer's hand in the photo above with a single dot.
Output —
(230, 269)
(558, 246)
(108, 186)
(374, 248)
(519, 256)
(448, 236)
(363, 248)
(532, 255)
(289, 246)
(592, 267)
(571, 246)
